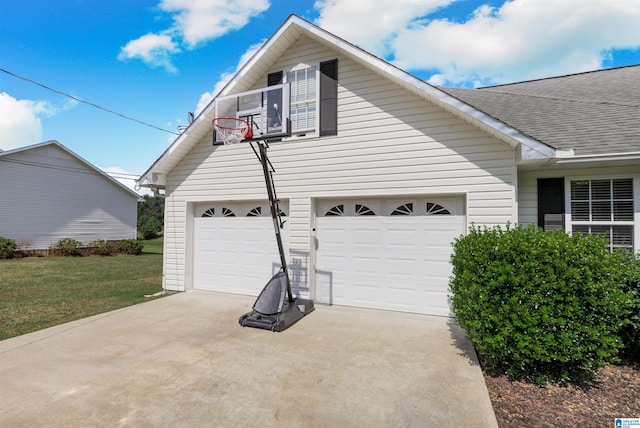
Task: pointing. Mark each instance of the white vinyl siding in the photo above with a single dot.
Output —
(47, 194)
(390, 142)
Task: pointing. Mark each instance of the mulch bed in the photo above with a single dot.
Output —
(613, 393)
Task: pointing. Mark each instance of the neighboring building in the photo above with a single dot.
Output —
(383, 171)
(49, 193)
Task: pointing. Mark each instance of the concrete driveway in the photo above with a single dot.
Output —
(183, 361)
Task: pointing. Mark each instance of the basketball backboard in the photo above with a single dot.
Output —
(266, 110)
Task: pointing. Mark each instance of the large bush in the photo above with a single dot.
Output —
(130, 246)
(100, 247)
(630, 282)
(66, 247)
(539, 304)
(7, 247)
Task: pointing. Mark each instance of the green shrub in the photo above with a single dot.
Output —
(101, 247)
(150, 229)
(538, 304)
(66, 247)
(130, 246)
(7, 247)
(630, 282)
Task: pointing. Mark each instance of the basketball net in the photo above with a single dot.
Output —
(232, 130)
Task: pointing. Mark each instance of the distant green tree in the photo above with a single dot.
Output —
(150, 207)
(150, 229)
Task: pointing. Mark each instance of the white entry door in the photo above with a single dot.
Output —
(235, 249)
(387, 254)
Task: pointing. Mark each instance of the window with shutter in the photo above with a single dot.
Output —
(313, 98)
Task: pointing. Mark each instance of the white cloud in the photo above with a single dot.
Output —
(20, 124)
(206, 97)
(195, 22)
(522, 39)
(154, 49)
(202, 20)
(372, 24)
(21, 120)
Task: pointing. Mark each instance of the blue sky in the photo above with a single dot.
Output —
(156, 60)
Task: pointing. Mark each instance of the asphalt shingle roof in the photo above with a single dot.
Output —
(592, 113)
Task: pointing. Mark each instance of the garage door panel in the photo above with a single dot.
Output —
(386, 262)
(235, 254)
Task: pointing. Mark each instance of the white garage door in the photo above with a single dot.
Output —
(390, 255)
(235, 249)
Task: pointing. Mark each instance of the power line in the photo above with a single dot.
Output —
(69, 168)
(86, 102)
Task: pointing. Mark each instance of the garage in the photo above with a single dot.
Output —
(387, 254)
(234, 246)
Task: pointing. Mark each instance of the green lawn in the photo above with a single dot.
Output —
(37, 293)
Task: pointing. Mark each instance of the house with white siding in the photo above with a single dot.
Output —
(49, 193)
(380, 172)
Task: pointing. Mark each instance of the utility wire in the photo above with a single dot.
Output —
(86, 102)
(68, 168)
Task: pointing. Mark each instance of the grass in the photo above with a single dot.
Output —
(37, 293)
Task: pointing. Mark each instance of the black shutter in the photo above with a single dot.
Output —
(329, 97)
(274, 78)
(551, 203)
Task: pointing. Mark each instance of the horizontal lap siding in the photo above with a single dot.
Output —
(389, 143)
(48, 195)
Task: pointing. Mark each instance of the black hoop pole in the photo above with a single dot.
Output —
(275, 212)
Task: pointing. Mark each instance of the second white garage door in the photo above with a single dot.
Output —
(390, 255)
(235, 248)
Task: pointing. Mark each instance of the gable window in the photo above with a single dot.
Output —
(604, 207)
(303, 99)
(313, 98)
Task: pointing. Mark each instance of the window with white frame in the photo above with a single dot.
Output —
(303, 99)
(313, 100)
(604, 207)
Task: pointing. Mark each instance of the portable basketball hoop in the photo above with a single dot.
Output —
(232, 130)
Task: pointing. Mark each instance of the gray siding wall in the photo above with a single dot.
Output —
(390, 143)
(47, 194)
